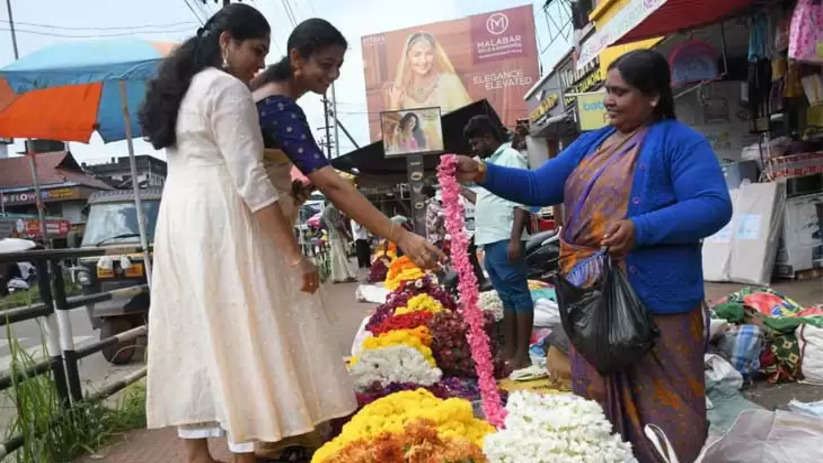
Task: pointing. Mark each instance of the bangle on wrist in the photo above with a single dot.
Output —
(481, 170)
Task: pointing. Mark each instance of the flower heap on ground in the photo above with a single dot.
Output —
(409, 426)
(402, 269)
(385, 255)
(467, 287)
(556, 428)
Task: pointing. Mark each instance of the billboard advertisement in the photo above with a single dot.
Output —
(453, 63)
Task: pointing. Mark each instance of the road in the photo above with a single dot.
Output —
(95, 371)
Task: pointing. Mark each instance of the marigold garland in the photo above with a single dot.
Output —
(467, 287)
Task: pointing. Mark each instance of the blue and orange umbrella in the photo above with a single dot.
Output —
(68, 90)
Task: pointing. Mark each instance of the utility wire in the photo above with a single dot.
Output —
(96, 28)
(202, 23)
(93, 36)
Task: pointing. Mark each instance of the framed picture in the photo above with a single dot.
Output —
(412, 131)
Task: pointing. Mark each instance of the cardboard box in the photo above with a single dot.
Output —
(801, 246)
(744, 251)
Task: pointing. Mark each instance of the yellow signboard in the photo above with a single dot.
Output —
(591, 111)
(545, 106)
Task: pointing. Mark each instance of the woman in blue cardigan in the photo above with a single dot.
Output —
(649, 188)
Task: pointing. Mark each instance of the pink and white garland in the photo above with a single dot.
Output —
(467, 287)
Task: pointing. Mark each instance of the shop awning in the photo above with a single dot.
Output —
(645, 19)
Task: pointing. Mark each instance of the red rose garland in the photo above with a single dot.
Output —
(469, 296)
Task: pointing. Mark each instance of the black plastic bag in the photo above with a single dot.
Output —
(606, 323)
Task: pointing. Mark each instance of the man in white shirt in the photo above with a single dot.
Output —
(361, 244)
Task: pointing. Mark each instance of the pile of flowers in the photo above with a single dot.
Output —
(555, 428)
(396, 356)
(490, 302)
(393, 364)
(446, 388)
(449, 343)
(402, 269)
(382, 259)
(406, 291)
(409, 426)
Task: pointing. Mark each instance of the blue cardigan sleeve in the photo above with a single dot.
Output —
(703, 205)
(541, 187)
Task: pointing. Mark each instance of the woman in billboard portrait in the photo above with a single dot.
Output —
(408, 135)
(426, 77)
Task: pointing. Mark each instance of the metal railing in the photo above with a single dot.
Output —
(53, 310)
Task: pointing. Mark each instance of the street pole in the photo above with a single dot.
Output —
(328, 134)
(41, 213)
(336, 131)
(11, 28)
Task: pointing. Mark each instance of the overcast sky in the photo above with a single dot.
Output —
(42, 22)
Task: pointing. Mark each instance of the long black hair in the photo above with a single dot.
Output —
(308, 37)
(158, 115)
(417, 132)
(648, 71)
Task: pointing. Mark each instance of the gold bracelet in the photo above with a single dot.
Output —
(481, 169)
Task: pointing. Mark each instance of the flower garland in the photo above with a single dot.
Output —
(453, 420)
(394, 364)
(555, 428)
(402, 322)
(467, 287)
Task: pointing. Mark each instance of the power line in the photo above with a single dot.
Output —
(289, 13)
(93, 28)
(202, 23)
(93, 36)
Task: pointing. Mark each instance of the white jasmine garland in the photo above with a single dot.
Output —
(557, 428)
(393, 364)
(490, 302)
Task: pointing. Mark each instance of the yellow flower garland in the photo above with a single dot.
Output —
(419, 338)
(454, 419)
(420, 302)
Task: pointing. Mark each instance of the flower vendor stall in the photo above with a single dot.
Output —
(424, 375)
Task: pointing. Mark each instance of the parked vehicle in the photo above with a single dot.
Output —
(112, 221)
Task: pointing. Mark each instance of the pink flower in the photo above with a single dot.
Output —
(469, 295)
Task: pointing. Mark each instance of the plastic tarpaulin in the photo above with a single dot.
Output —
(768, 437)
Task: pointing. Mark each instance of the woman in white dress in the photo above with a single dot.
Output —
(236, 345)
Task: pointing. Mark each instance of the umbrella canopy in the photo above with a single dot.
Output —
(68, 90)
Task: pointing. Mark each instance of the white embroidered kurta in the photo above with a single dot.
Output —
(232, 340)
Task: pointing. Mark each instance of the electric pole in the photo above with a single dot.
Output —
(38, 201)
(11, 28)
(336, 131)
(327, 127)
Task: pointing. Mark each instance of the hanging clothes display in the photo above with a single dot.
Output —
(806, 32)
(760, 71)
